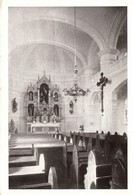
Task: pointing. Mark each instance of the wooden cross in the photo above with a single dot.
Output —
(102, 83)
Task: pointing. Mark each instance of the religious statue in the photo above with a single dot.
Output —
(14, 105)
(55, 97)
(44, 92)
(44, 117)
(31, 110)
(31, 96)
(71, 107)
(12, 128)
(54, 118)
(81, 128)
(56, 110)
(29, 119)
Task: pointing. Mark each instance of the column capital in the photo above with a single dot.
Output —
(108, 51)
(107, 57)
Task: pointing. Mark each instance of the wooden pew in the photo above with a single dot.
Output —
(83, 145)
(103, 148)
(79, 162)
(25, 160)
(119, 166)
(54, 151)
(24, 150)
(119, 172)
(33, 177)
(100, 171)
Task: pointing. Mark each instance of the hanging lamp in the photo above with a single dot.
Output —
(75, 91)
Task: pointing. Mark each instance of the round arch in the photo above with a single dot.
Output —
(61, 45)
(119, 107)
(81, 25)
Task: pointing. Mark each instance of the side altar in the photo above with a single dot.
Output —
(42, 106)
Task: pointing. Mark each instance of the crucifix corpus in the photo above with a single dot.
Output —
(102, 83)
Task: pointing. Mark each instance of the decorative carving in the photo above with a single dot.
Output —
(42, 101)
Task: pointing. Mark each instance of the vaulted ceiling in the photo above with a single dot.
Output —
(42, 38)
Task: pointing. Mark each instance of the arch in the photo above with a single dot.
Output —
(119, 108)
(81, 25)
(96, 110)
(61, 45)
(92, 51)
(93, 96)
(116, 26)
(117, 88)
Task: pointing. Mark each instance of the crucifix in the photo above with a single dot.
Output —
(102, 83)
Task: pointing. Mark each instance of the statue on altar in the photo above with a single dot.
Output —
(55, 97)
(44, 92)
(30, 96)
(54, 118)
(31, 110)
(44, 116)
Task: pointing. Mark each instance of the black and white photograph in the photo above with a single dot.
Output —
(67, 98)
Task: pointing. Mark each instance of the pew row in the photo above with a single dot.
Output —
(23, 160)
(119, 171)
(33, 177)
(102, 155)
(26, 150)
(54, 152)
(83, 141)
(76, 138)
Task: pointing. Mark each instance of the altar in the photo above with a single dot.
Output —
(42, 127)
(42, 106)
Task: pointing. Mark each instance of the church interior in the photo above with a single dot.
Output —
(67, 99)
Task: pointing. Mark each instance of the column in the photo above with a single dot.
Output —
(107, 57)
(38, 96)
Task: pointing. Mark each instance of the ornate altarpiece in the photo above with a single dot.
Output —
(43, 102)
